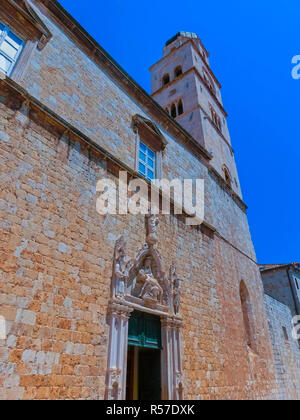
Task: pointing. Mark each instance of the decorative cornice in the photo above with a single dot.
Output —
(294, 266)
(142, 124)
(24, 9)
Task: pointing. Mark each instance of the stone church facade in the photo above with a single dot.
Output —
(89, 302)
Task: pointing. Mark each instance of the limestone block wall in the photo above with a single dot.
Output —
(55, 272)
(286, 350)
(281, 285)
(56, 251)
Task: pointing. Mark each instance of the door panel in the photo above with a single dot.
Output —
(149, 375)
(144, 330)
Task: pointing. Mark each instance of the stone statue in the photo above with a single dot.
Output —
(151, 288)
(177, 296)
(176, 287)
(120, 269)
(152, 223)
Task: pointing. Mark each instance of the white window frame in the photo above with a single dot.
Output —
(147, 151)
(6, 31)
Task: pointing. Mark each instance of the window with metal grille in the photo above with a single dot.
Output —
(147, 162)
(10, 49)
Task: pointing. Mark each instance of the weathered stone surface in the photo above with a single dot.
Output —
(285, 349)
(56, 251)
(58, 336)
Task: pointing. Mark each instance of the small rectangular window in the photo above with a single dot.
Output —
(147, 162)
(286, 337)
(297, 283)
(10, 49)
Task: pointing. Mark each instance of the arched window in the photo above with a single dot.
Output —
(227, 175)
(166, 79)
(209, 81)
(215, 118)
(178, 71)
(180, 107)
(247, 315)
(173, 111)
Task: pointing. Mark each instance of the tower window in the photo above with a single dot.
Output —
(215, 118)
(209, 82)
(178, 71)
(285, 334)
(147, 162)
(166, 79)
(10, 49)
(227, 175)
(180, 108)
(173, 111)
(247, 315)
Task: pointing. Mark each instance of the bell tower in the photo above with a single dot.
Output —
(183, 83)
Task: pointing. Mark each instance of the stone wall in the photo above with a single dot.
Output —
(56, 266)
(286, 350)
(280, 284)
(56, 251)
(66, 80)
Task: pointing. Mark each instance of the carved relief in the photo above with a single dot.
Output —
(136, 284)
(115, 385)
(151, 289)
(179, 387)
(142, 279)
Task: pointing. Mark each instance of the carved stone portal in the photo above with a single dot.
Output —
(140, 284)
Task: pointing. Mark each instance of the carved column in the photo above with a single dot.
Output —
(178, 379)
(172, 383)
(119, 315)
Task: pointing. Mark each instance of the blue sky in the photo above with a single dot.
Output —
(251, 46)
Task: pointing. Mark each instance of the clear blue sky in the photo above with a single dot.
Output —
(251, 45)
